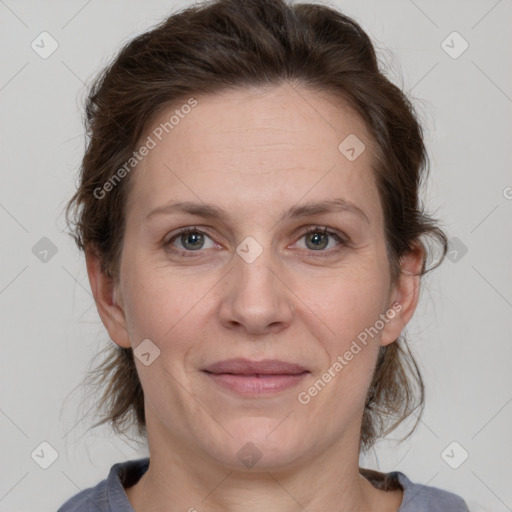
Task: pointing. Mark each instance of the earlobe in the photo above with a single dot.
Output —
(104, 290)
(405, 294)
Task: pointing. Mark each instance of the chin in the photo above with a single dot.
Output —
(260, 443)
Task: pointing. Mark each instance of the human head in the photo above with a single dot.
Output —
(227, 44)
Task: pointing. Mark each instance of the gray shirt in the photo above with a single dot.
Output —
(109, 494)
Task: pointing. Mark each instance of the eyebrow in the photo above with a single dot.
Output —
(298, 211)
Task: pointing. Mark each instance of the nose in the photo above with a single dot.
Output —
(256, 297)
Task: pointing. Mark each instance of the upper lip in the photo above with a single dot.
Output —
(247, 367)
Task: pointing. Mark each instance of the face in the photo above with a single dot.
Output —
(284, 259)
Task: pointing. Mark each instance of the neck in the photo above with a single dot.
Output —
(180, 479)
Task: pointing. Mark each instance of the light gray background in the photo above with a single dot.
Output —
(461, 333)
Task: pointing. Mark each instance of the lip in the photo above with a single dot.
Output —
(253, 378)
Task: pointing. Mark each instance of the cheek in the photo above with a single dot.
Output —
(349, 304)
(348, 300)
(166, 307)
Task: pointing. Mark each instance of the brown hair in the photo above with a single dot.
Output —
(222, 44)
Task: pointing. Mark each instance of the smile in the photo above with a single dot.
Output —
(256, 384)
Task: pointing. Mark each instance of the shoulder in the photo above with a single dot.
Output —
(93, 499)
(422, 498)
(108, 495)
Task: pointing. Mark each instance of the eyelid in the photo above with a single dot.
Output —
(187, 229)
(343, 240)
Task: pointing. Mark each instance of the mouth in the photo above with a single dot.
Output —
(254, 378)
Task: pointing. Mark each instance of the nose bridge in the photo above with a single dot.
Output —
(256, 275)
(254, 279)
(255, 297)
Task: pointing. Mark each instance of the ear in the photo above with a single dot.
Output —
(404, 294)
(109, 307)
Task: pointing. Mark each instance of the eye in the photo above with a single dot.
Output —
(317, 239)
(191, 240)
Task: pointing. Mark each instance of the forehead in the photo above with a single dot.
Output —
(252, 145)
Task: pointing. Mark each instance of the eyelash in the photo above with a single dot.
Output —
(343, 242)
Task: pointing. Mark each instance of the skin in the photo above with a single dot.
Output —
(255, 153)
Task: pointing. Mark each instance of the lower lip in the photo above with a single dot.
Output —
(256, 385)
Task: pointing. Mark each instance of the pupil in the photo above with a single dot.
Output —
(318, 237)
(194, 240)
(195, 237)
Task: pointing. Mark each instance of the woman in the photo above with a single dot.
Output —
(249, 212)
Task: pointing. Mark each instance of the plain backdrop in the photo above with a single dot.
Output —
(461, 333)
